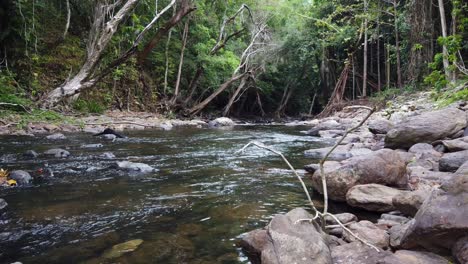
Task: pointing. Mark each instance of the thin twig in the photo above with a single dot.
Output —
(22, 106)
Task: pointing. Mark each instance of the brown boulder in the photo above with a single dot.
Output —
(372, 197)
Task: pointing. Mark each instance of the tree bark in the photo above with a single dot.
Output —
(181, 62)
(397, 45)
(166, 53)
(364, 70)
(67, 24)
(443, 23)
(234, 96)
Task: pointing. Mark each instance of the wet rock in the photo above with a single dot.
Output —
(460, 250)
(58, 153)
(325, 125)
(57, 136)
(109, 137)
(133, 166)
(357, 253)
(30, 154)
(90, 146)
(21, 177)
(221, 122)
(3, 204)
(166, 126)
(344, 218)
(458, 144)
(123, 248)
(380, 126)
(452, 161)
(107, 155)
(341, 152)
(368, 232)
(409, 202)
(372, 197)
(441, 220)
(386, 167)
(413, 257)
(285, 241)
(426, 128)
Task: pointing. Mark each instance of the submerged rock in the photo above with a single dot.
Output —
(285, 241)
(426, 128)
(30, 154)
(221, 122)
(133, 166)
(21, 177)
(58, 153)
(372, 197)
(57, 136)
(452, 161)
(386, 167)
(123, 248)
(3, 204)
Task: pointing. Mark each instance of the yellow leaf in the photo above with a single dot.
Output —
(12, 183)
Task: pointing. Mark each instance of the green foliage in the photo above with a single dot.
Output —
(89, 106)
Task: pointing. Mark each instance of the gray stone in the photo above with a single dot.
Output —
(221, 122)
(58, 153)
(426, 128)
(368, 232)
(285, 241)
(357, 253)
(409, 202)
(107, 155)
(452, 161)
(327, 166)
(133, 166)
(460, 250)
(57, 136)
(325, 125)
(341, 152)
(92, 146)
(3, 204)
(21, 177)
(372, 197)
(344, 218)
(397, 232)
(413, 257)
(458, 144)
(386, 167)
(380, 126)
(30, 154)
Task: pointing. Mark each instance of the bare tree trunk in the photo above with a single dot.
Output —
(234, 96)
(443, 23)
(193, 84)
(67, 24)
(379, 81)
(397, 45)
(364, 70)
(181, 62)
(312, 104)
(387, 66)
(166, 53)
(260, 105)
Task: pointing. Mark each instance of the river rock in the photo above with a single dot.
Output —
(386, 167)
(58, 153)
(123, 248)
(107, 155)
(425, 155)
(325, 125)
(426, 128)
(357, 253)
(409, 202)
(391, 220)
(21, 177)
(458, 144)
(327, 166)
(441, 220)
(57, 136)
(221, 122)
(30, 154)
(369, 232)
(88, 146)
(285, 241)
(452, 161)
(341, 152)
(380, 126)
(460, 250)
(372, 197)
(463, 169)
(344, 218)
(3, 204)
(133, 166)
(413, 257)
(397, 232)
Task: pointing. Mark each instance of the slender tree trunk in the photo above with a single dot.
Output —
(354, 79)
(67, 24)
(234, 96)
(364, 70)
(166, 53)
(193, 84)
(181, 62)
(397, 45)
(312, 104)
(379, 81)
(443, 23)
(387, 66)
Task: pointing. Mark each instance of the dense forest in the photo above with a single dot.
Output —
(231, 58)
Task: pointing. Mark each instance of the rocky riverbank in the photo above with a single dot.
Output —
(408, 162)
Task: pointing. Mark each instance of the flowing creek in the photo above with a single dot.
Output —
(193, 210)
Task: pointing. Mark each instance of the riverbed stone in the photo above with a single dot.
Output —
(3, 204)
(357, 253)
(426, 128)
(460, 250)
(372, 197)
(288, 241)
(380, 126)
(90, 146)
(369, 232)
(413, 257)
(327, 166)
(57, 152)
(325, 125)
(344, 218)
(56, 136)
(452, 161)
(20, 176)
(30, 154)
(386, 167)
(133, 166)
(341, 152)
(107, 155)
(397, 232)
(221, 122)
(123, 248)
(458, 144)
(409, 202)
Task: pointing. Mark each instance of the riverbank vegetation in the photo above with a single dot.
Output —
(231, 58)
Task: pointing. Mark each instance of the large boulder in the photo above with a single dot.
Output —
(458, 144)
(409, 202)
(386, 167)
(325, 125)
(372, 197)
(288, 241)
(368, 232)
(380, 126)
(413, 257)
(421, 178)
(341, 152)
(426, 128)
(425, 156)
(221, 122)
(21, 177)
(442, 219)
(357, 253)
(397, 232)
(460, 250)
(452, 161)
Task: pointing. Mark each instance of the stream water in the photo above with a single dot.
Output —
(193, 210)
